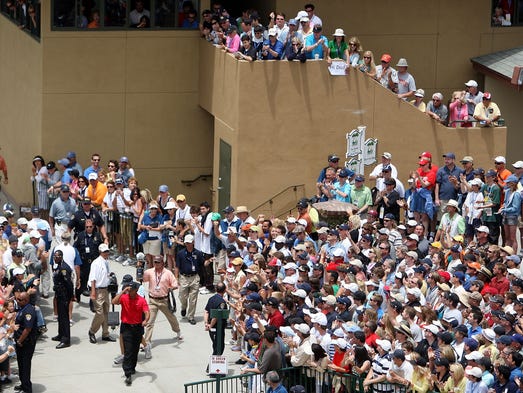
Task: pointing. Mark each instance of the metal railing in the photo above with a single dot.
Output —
(313, 381)
(283, 203)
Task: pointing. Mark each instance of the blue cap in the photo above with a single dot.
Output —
(343, 300)
(389, 216)
(491, 173)
(471, 343)
(515, 258)
(343, 173)
(63, 161)
(449, 155)
(40, 225)
(512, 179)
(343, 227)
(254, 297)
(506, 340)
(305, 286)
(369, 238)
(292, 22)
(124, 159)
(359, 178)
(71, 154)
(460, 275)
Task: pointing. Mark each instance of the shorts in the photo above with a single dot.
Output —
(442, 208)
(152, 247)
(510, 220)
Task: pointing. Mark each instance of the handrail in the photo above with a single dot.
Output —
(270, 201)
(189, 183)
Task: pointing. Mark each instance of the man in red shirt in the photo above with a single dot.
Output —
(500, 281)
(274, 315)
(133, 321)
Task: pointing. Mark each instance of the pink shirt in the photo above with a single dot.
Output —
(233, 44)
(159, 283)
(458, 113)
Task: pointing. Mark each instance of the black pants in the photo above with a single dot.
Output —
(64, 328)
(24, 357)
(131, 337)
(208, 273)
(215, 338)
(84, 276)
(494, 231)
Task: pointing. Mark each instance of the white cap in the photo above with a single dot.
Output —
(280, 239)
(319, 318)
(140, 256)
(103, 247)
(291, 220)
(384, 344)
(356, 262)
(289, 280)
(230, 230)
(273, 32)
(515, 272)
(432, 328)
(290, 265)
(483, 228)
(518, 164)
(35, 234)
(18, 270)
(302, 328)
(338, 252)
(353, 287)
(341, 343)
(412, 223)
(500, 159)
(300, 293)
(475, 372)
(302, 222)
(414, 291)
(172, 205)
(188, 239)
(22, 221)
(93, 176)
(475, 355)
(471, 83)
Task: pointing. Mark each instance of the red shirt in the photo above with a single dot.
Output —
(502, 284)
(276, 319)
(371, 340)
(133, 309)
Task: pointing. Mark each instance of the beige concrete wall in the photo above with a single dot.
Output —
(20, 106)
(130, 93)
(290, 116)
(510, 102)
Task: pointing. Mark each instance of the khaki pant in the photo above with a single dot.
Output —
(101, 309)
(156, 305)
(189, 286)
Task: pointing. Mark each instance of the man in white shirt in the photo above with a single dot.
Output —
(99, 280)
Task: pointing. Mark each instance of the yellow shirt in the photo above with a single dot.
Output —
(97, 194)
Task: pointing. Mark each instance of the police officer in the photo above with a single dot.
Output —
(63, 289)
(87, 211)
(189, 263)
(25, 338)
(135, 315)
(216, 302)
(87, 243)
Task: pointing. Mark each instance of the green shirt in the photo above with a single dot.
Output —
(337, 52)
(491, 194)
(361, 196)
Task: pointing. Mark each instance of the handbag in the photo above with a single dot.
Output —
(143, 236)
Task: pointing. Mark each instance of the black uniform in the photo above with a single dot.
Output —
(63, 289)
(78, 221)
(87, 246)
(217, 302)
(25, 319)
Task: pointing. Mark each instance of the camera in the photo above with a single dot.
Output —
(113, 284)
(139, 273)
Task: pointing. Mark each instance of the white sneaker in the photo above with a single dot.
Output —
(179, 336)
(55, 318)
(71, 322)
(148, 354)
(232, 342)
(127, 262)
(118, 359)
(121, 258)
(204, 291)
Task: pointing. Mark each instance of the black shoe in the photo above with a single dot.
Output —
(63, 345)
(184, 313)
(240, 361)
(86, 293)
(128, 381)
(5, 381)
(92, 338)
(192, 321)
(57, 338)
(109, 338)
(18, 388)
(133, 372)
(45, 296)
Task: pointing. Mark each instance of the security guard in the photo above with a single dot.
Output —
(25, 337)
(189, 262)
(87, 211)
(87, 243)
(63, 289)
(216, 302)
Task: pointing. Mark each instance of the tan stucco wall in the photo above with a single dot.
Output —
(510, 102)
(129, 93)
(20, 106)
(290, 116)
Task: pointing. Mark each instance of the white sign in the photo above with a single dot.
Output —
(355, 165)
(337, 67)
(217, 365)
(369, 151)
(355, 140)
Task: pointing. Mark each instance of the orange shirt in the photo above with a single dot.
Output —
(159, 283)
(97, 194)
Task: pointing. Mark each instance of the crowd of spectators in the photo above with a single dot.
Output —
(302, 38)
(25, 13)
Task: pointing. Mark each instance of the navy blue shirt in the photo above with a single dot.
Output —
(189, 262)
(446, 188)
